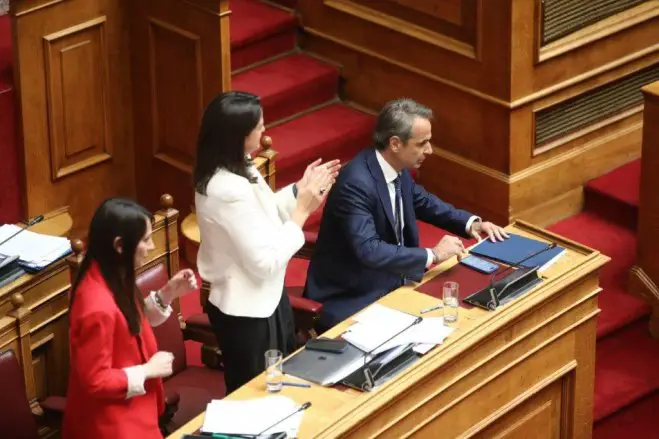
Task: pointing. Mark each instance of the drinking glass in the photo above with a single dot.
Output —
(274, 375)
(451, 299)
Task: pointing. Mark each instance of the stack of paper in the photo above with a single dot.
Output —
(34, 250)
(252, 416)
(377, 324)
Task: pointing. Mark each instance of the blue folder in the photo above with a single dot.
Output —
(514, 249)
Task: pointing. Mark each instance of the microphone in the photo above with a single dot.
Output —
(494, 296)
(29, 223)
(370, 381)
(301, 408)
(9, 268)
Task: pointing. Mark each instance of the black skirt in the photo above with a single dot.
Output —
(244, 340)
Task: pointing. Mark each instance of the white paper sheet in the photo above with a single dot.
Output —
(252, 416)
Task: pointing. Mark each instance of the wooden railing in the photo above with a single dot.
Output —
(644, 276)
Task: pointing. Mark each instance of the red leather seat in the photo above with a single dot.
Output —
(195, 385)
(16, 418)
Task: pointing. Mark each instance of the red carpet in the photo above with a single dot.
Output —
(259, 32)
(627, 358)
(615, 195)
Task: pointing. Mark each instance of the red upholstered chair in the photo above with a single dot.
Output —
(16, 418)
(195, 385)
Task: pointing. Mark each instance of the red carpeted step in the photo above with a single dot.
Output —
(9, 167)
(619, 243)
(259, 32)
(615, 195)
(289, 85)
(638, 420)
(336, 131)
(626, 368)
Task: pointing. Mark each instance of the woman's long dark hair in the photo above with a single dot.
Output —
(227, 121)
(127, 220)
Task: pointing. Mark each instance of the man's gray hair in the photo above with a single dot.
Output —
(396, 119)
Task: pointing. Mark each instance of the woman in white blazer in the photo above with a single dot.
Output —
(248, 235)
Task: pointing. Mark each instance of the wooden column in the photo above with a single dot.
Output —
(644, 276)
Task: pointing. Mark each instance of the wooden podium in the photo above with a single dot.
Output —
(524, 370)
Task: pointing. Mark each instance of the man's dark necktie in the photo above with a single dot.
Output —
(398, 213)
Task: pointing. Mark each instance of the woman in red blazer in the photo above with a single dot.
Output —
(115, 378)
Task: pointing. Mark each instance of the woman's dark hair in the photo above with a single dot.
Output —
(227, 121)
(127, 220)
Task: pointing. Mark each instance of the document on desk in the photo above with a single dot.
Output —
(34, 250)
(376, 324)
(252, 416)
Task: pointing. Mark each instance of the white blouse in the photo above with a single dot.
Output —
(247, 240)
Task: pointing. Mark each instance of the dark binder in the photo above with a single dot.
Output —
(510, 287)
(10, 269)
(382, 368)
(517, 248)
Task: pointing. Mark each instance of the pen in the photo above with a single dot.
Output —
(305, 385)
(432, 308)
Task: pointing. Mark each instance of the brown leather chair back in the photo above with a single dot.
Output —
(16, 418)
(168, 335)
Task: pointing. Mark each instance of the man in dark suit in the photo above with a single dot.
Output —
(368, 244)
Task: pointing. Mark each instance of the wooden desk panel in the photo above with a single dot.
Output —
(527, 367)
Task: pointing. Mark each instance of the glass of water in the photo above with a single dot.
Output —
(451, 299)
(274, 375)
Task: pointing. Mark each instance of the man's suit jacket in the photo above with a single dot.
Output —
(356, 259)
(101, 348)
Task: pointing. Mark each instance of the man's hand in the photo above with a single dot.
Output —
(447, 247)
(493, 232)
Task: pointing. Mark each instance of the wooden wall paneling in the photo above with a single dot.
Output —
(488, 106)
(478, 60)
(538, 71)
(644, 276)
(180, 60)
(470, 133)
(72, 70)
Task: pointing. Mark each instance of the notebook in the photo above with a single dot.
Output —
(514, 249)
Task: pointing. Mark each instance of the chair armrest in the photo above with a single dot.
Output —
(305, 305)
(53, 405)
(172, 398)
(198, 328)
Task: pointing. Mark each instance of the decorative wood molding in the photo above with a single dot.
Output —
(77, 105)
(168, 146)
(23, 8)
(404, 27)
(642, 286)
(407, 67)
(597, 31)
(632, 57)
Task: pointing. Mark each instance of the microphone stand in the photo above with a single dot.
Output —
(369, 384)
(303, 407)
(28, 224)
(494, 296)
